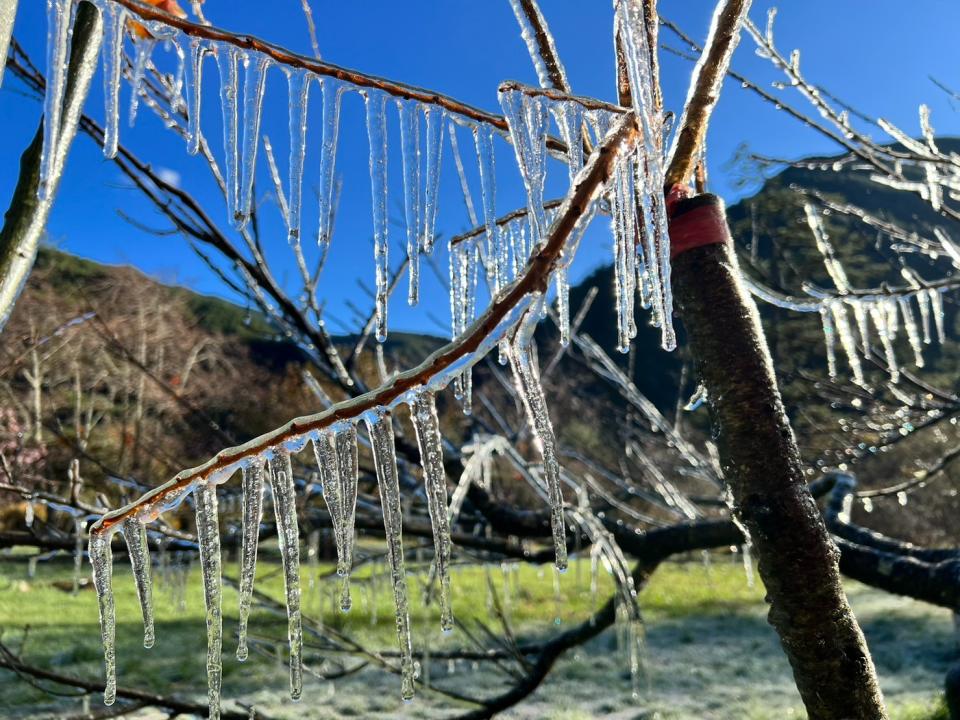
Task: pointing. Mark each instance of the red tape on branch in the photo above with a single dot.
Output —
(695, 221)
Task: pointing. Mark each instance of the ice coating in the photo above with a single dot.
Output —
(380, 428)
(135, 535)
(208, 537)
(143, 49)
(288, 534)
(423, 412)
(252, 482)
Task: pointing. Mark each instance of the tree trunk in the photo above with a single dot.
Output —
(761, 464)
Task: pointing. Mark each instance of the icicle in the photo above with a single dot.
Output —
(227, 56)
(845, 333)
(332, 94)
(101, 560)
(483, 140)
(380, 427)
(433, 154)
(650, 175)
(527, 379)
(208, 537)
(141, 59)
(569, 117)
(254, 84)
(198, 51)
(423, 413)
(377, 134)
(78, 528)
(410, 149)
(860, 312)
(250, 531)
(288, 535)
(936, 308)
(923, 303)
(346, 447)
(298, 83)
(624, 236)
(326, 456)
(135, 534)
(114, 22)
(913, 332)
(59, 32)
(879, 315)
(830, 338)
(527, 119)
(563, 303)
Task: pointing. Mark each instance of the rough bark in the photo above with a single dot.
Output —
(761, 463)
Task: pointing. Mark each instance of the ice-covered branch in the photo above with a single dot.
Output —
(705, 87)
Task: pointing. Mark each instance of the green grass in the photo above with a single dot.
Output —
(691, 610)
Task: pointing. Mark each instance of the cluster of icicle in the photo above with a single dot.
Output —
(877, 317)
(242, 81)
(636, 197)
(335, 451)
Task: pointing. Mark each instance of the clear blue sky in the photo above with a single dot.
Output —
(875, 54)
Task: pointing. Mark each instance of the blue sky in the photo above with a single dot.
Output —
(873, 54)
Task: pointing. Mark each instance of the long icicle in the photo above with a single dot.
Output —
(409, 112)
(101, 560)
(380, 427)
(483, 140)
(332, 94)
(59, 31)
(252, 516)
(135, 534)
(298, 82)
(527, 380)
(527, 118)
(208, 537)
(423, 412)
(254, 84)
(433, 155)
(114, 21)
(227, 56)
(326, 456)
(288, 534)
(345, 444)
(198, 51)
(377, 134)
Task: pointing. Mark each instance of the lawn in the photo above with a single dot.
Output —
(708, 652)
